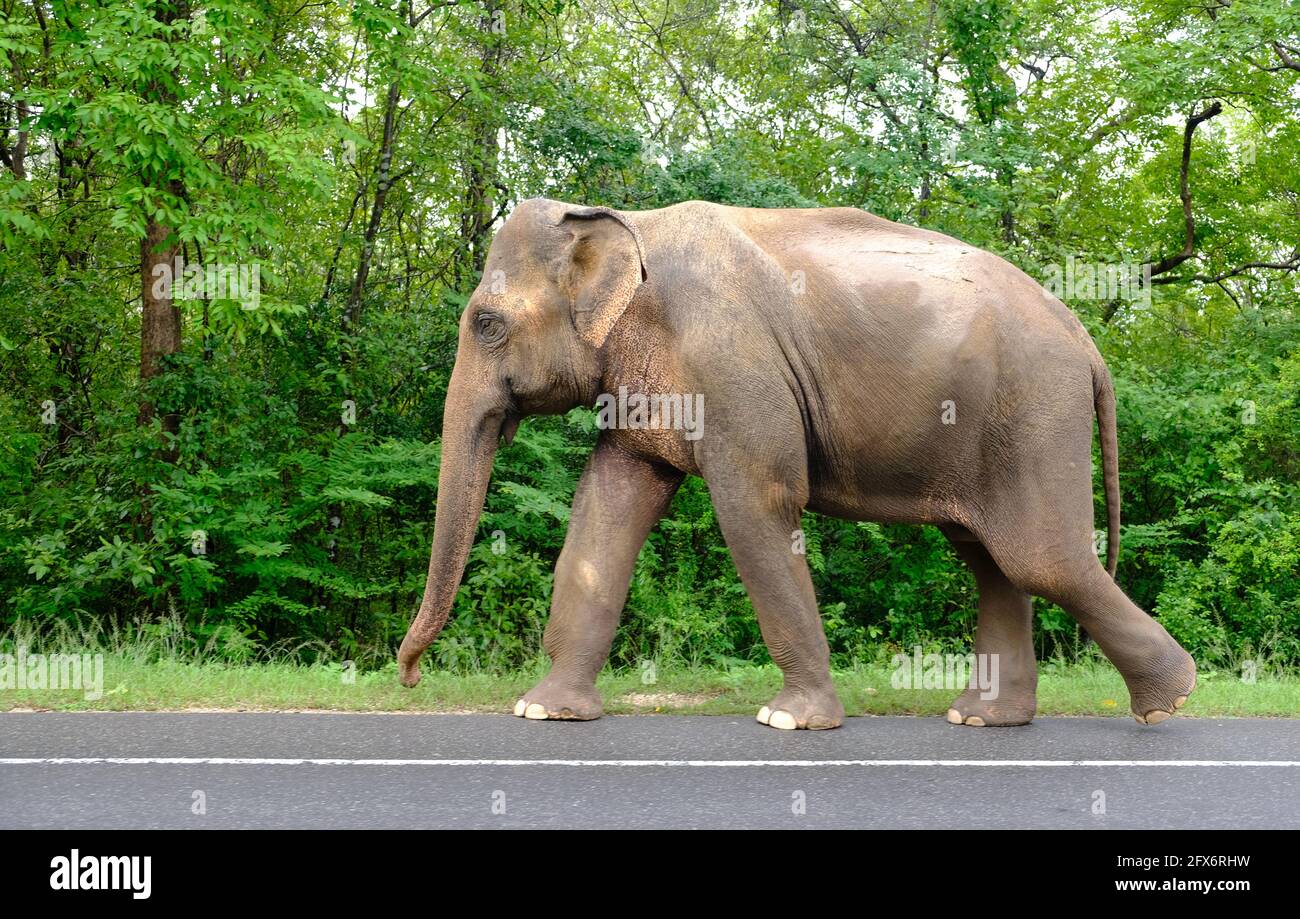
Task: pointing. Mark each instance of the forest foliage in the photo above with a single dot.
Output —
(260, 471)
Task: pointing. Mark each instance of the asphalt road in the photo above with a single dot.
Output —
(65, 770)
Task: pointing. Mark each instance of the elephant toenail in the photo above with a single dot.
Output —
(783, 721)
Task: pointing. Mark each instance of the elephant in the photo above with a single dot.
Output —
(849, 365)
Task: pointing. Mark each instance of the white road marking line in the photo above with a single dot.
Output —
(633, 763)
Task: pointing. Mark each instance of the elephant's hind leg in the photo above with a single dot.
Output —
(1159, 673)
(1004, 646)
(1054, 560)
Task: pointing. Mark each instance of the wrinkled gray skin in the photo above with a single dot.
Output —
(825, 344)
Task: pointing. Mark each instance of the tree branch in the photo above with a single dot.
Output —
(1291, 264)
(1289, 62)
(1185, 193)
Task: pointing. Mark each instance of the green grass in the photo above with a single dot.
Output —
(146, 682)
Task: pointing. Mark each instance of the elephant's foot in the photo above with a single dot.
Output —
(1161, 688)
(552, 701)
(1010, 708)
(813, 710)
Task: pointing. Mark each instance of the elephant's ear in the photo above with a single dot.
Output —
(605, 267)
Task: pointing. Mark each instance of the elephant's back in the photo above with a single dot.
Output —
(887, 272)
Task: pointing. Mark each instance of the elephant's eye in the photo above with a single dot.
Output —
(490, 328)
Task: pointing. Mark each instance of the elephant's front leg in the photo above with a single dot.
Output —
(619, 498)
(760, 520)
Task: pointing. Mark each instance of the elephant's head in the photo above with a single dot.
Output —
(556, 280)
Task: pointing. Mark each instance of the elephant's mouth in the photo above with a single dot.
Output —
(509, 425)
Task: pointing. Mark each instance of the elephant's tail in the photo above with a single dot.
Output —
(1104, 402)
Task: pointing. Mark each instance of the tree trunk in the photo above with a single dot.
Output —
(481, 164)
(383, 183)
(160, 318)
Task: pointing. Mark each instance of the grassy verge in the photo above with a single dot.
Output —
(131, 683)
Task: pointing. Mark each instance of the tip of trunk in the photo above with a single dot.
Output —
(408, 665)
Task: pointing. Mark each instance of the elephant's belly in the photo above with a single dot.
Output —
(880, 503)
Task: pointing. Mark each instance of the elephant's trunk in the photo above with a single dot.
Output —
(469, 442)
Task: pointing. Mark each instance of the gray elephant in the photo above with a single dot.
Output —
(849, 365)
